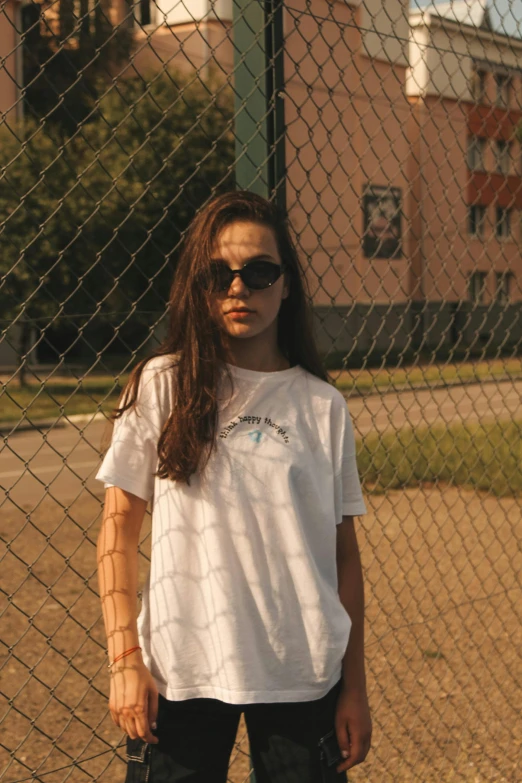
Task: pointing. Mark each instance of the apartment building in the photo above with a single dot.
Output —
(10, 54)
(465, 89)
(10, 112)
(185, 35)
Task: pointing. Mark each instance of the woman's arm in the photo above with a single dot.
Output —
(353, 722)
(117, 554)
(351, 593)
(133, 699)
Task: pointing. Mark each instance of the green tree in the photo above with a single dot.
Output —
(90, 226)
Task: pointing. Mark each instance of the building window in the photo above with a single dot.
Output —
(476, 220)
(503, 85)
(503, 223)
(142, 11)
(476, 150)
(502, 156)
(477, 287)
(478, 86)
(503, 286)
(145, 11)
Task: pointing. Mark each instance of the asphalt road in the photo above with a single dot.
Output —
(490, 400)
(61, 463)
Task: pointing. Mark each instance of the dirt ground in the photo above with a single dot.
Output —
(444, 640)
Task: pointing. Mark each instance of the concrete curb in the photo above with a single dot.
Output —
(13, 427)
(373, 392)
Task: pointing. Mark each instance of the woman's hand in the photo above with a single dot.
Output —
(353, 726)
(133, 701)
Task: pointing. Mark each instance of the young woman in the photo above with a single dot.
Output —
(254, 601)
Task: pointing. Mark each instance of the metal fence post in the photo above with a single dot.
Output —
(258, 90)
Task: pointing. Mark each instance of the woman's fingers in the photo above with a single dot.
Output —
(128, 724)
(133, 702)
(135, 723)
(138, 726)
(152, 701)
(143, 729)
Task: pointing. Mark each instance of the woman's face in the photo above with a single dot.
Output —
(238, 244)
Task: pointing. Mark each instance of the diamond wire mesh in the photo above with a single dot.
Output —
(117, 123)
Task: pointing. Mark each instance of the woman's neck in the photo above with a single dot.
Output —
(248, 356)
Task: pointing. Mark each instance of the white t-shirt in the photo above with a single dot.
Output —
(241, 601)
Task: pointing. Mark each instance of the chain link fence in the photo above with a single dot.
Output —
(392, 135)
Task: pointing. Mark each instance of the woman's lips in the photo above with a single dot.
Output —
(239, 314)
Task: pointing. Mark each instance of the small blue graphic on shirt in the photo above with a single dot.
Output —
(255, 435)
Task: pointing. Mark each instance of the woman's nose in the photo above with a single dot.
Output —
(237, 287)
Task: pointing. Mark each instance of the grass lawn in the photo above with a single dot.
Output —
(58, 397)
(485, 456)
(416, 376)
(67, 395)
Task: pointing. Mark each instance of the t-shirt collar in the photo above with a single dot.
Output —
(255, 375)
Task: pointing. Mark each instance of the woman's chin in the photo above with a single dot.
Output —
(241, 331)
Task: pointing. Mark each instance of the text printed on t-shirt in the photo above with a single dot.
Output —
(254, 420)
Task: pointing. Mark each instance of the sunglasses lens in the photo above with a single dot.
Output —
(256, 276)
(261, 274)
(218, 278)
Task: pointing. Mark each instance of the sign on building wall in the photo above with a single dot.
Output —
(382, 213)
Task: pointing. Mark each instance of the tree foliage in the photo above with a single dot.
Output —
(90, 224)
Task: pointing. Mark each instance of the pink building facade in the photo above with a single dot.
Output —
(347, 150)
(10, 52)
(465, 89)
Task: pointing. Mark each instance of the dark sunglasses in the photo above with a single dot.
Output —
(256, 275)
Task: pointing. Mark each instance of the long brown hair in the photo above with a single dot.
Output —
(188, 437)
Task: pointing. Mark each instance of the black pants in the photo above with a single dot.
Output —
(196, 739)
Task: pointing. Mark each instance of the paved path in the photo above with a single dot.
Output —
(486, 401)
(61, 462)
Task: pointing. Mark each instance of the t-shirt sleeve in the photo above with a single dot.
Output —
(132, 458)
(349, 497)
